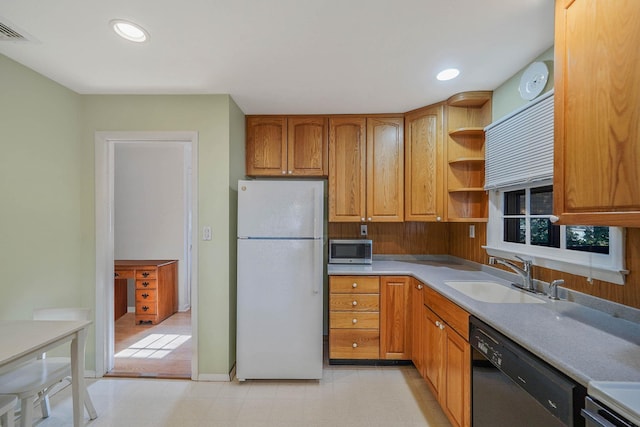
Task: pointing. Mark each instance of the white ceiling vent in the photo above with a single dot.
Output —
(9, 34)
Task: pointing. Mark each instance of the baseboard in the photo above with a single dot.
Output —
(214, 377)
(131, 309)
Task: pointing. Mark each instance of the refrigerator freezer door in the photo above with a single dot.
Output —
(279, 330)
(280, 209)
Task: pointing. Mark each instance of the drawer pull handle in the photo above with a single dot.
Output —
(355, 285)
(419, 287)
(145, 295)
(354, 345)
(145, 274)
(116, 274)
(145, 308)
(354, 303)
(354, 321)
(145, 284)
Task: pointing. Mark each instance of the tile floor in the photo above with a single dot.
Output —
(346, 397)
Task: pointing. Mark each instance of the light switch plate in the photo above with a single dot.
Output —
(472, 231)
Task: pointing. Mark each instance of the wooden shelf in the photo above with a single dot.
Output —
(468, 131)
(467, 160)
(468, 220)
(466, 190)
(474, 99)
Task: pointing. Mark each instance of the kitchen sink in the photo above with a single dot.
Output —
(493, 292)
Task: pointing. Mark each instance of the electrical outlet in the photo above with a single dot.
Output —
(472, 231)
(363, 229)
(206, 233)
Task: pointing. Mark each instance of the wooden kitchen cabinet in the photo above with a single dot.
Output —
(366, 169)
(467, 114)
(354, 317)
(287, 146)
(597, 113)
(423, 163)
(448, 356)
(395, 317)
(418, 334)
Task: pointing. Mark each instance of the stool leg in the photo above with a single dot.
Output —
(45, 407)
(89, 405)
(8, 418)
(26, 412)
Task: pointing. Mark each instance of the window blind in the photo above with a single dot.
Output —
(519, 147)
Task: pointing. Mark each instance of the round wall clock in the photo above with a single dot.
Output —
(533, 80)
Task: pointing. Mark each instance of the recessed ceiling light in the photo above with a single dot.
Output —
(129, 30)
(448, 74)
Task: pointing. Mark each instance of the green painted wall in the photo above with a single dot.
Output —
(209, 115)
(47, 218)
(506, 97)
(44, 252)
(236, 172)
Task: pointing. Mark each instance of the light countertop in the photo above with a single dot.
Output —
(585, 343)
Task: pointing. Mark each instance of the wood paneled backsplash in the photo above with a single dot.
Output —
(398, 238)
(453, 238)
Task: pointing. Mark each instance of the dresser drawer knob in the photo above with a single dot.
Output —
(354, 321)
(145, 295)
(145, 308)
(116, 274)
(354, 345)
(145, 274)
(354, 303)
(145, 284)
(355, 285)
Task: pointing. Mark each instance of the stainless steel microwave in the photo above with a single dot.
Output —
(350, 251)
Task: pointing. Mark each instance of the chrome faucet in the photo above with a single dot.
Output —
(553, 289)
(524, 272)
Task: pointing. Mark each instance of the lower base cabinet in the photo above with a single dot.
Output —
(447, 356)
(400, 318)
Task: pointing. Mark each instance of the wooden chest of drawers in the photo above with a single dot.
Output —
(354, 317)
(156, 287)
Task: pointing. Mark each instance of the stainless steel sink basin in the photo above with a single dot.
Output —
(493, 292)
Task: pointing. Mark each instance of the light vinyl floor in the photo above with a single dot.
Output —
(346, 396)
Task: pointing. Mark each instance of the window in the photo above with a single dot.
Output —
(521, 223)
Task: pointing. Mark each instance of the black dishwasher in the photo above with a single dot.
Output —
(513, 387)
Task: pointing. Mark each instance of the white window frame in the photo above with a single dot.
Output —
(606, 267)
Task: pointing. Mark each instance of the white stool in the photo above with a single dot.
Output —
(7, 405)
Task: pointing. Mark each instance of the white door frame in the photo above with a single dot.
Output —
(104, 204)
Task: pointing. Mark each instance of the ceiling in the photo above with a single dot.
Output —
(283, 56)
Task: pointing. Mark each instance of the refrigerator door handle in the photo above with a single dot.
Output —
(314, 283)
(318, 220)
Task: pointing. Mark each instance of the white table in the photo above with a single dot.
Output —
(21, 340)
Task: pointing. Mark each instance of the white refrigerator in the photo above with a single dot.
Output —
(280, 278)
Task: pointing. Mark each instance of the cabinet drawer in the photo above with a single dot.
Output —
(124, 274)
(358, 320)
(146, 284)
(453, 315)
(146, 274)
(145, 295)
(146, 307)
(354, 344)
(354, 302)
(354, 284)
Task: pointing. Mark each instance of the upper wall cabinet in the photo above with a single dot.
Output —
(466, 116)
(597, 113)
(366, 169)
(286, 146)
(423, 164)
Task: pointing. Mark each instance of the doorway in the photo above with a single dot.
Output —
(124, 205)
